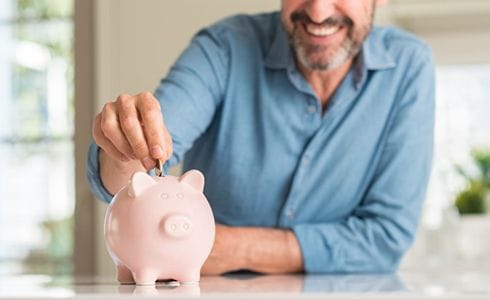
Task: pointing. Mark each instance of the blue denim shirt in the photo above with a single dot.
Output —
(349, 182)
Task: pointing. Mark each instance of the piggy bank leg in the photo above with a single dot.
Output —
(145, 277)
(189, 277)
(124, 275)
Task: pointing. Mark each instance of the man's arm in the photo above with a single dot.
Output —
(187, 98)
(377, 233)
(263, 250)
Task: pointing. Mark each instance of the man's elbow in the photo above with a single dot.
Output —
(392, 253)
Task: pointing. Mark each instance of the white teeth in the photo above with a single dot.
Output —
(321, 30)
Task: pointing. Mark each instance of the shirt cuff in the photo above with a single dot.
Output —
(93, 175)
(318, 256)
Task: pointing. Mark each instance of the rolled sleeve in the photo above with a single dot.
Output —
(312, 241)
(93, 175)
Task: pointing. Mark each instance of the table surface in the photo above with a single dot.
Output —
(404, 285)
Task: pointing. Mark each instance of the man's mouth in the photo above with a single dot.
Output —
(328, 27)
(321, 30)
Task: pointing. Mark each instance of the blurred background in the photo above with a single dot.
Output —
(60, 60)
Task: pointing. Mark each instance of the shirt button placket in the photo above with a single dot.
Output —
(290, 210)
(311, 110)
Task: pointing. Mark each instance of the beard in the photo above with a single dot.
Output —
(327, 57)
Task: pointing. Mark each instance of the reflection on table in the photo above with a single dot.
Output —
(411, 285)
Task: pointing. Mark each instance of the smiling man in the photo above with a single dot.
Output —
(314, 131)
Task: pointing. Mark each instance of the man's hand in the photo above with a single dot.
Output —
(264, 250)
(130, 130)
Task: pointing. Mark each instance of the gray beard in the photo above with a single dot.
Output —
(348, 50)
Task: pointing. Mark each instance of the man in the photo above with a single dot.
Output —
(314, 132)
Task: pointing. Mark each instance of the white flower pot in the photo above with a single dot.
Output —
(473, 240)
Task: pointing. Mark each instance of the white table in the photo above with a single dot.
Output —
(405, 285)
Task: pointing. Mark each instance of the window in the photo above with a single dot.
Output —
(36, 136)
(462, 126)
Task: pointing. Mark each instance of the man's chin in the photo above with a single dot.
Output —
(322, 62)
(318, 66)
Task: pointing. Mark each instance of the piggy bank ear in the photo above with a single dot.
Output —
(140, 181)
(193, 178)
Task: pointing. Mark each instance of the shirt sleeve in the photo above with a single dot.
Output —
(93, 175)
(189, 96)
(380, 230)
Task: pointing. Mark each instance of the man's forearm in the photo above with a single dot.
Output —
(269, 250)
(115, 174)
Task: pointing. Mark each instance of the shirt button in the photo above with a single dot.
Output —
(311, 109)
(290, 213)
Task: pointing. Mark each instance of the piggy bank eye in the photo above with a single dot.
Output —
(180, 196)
(164, 196)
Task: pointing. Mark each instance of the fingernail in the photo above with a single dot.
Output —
(148, 163)
(157, 151)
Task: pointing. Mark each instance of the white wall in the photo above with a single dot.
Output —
(139, 40)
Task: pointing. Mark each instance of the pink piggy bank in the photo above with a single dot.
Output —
(160, 228)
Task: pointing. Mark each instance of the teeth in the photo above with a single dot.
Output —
(320, 30)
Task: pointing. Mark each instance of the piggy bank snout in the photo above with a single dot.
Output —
(177, 226)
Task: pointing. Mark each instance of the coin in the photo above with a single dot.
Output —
(159, 168)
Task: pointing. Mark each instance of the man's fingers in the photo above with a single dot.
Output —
(109, 125)
(105, 143)
(153, 127)
(133, 126)
(132, 129)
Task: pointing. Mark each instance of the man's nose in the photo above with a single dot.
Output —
(319, 10)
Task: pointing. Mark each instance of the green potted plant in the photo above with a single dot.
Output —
(473, 205)
(474, 198)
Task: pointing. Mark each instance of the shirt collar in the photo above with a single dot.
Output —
(279, 55)
(373, 56)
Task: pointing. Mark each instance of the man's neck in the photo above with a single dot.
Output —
(324, 83)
